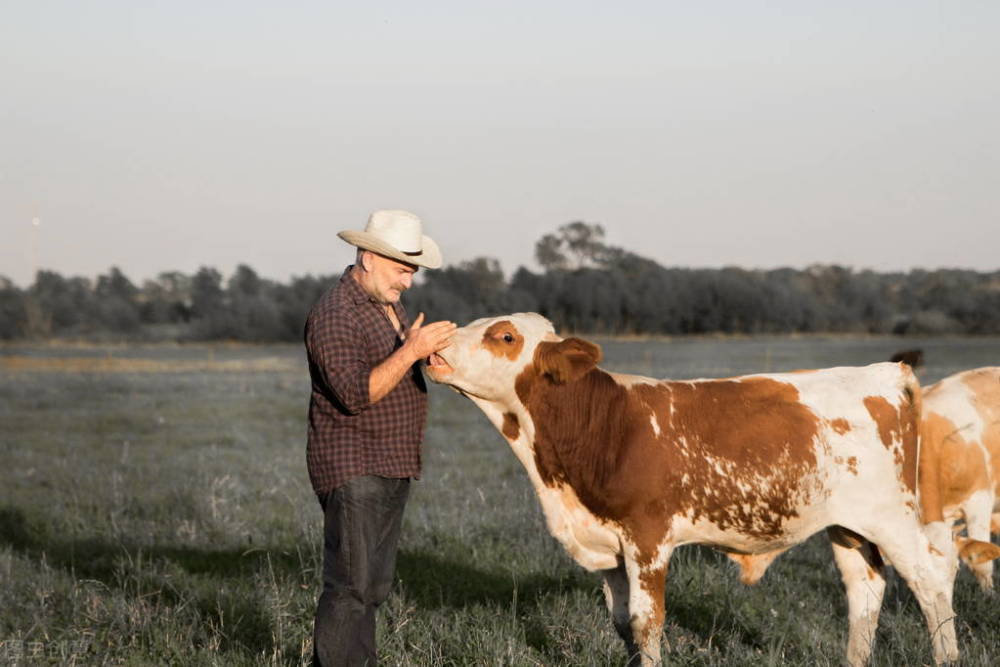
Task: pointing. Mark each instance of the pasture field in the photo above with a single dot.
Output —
(155, 510)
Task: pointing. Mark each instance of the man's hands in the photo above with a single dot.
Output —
(421, 342)
(424, 340)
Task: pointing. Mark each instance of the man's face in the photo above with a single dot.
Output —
(385, 279)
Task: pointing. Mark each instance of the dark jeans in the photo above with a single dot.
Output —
(361, 533)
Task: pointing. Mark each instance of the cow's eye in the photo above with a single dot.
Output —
(508, 338)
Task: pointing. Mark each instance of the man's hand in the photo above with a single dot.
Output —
(421, 342)
(424, 340)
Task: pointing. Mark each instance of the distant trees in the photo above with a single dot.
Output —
(12, 310)
(585, 286)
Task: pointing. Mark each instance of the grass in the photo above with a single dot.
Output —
(154, 509)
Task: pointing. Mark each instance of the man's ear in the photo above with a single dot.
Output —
(568, 360)
(364, 260)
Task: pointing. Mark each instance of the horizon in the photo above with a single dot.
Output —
(508, 274)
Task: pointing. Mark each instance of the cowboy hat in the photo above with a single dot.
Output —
(398, 235)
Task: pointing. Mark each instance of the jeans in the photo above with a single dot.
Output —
(361, 526)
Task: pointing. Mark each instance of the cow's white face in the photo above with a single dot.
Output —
(486, 356)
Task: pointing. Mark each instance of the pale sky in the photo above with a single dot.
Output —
(160, 136)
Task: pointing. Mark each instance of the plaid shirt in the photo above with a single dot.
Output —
(347, 335)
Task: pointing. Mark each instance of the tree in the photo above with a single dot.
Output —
(117, 302)
(254, 313)
(60, 306)
(209, 310)
(575, 245)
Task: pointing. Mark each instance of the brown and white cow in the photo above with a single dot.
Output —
(627, 468)
(960, 461)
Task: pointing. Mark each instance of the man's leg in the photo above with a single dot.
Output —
(362, 520)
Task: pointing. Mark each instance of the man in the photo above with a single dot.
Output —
(366, 420)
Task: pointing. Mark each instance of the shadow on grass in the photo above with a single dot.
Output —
(221, 588)
(435, 581)
(222, 585)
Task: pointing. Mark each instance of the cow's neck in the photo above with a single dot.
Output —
(497, 412)
(589, 541)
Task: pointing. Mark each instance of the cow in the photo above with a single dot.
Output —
(960, 461)
(627, 468)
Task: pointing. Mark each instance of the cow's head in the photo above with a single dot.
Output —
(487, 356)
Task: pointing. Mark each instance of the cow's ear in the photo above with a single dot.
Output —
(568, 360)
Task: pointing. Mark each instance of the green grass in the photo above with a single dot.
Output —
(166, 518)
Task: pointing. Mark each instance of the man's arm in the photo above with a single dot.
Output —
(421, 342)
(336, 354)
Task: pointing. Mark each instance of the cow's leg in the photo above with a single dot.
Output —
(616, 594)
(978, 513)
(861, 572)
(925, 569)
(646, 584)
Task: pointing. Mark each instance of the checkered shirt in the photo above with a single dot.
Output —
(348, 334)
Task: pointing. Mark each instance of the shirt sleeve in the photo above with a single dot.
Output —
(337, 345)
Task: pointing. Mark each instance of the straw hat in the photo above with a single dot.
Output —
(396, 234)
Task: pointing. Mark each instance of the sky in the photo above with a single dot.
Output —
(163, 136)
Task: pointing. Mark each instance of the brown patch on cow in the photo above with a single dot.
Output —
(886, 419)
(511, 428)
(852, 464)
(909, 416)
(898, 429)
(840, 425)
(958, 469)
(503, 339)
(737, 453)
(653, 581)
(758, 433)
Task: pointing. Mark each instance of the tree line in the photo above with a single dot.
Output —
(584, 285)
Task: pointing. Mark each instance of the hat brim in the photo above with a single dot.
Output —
(429, 257)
